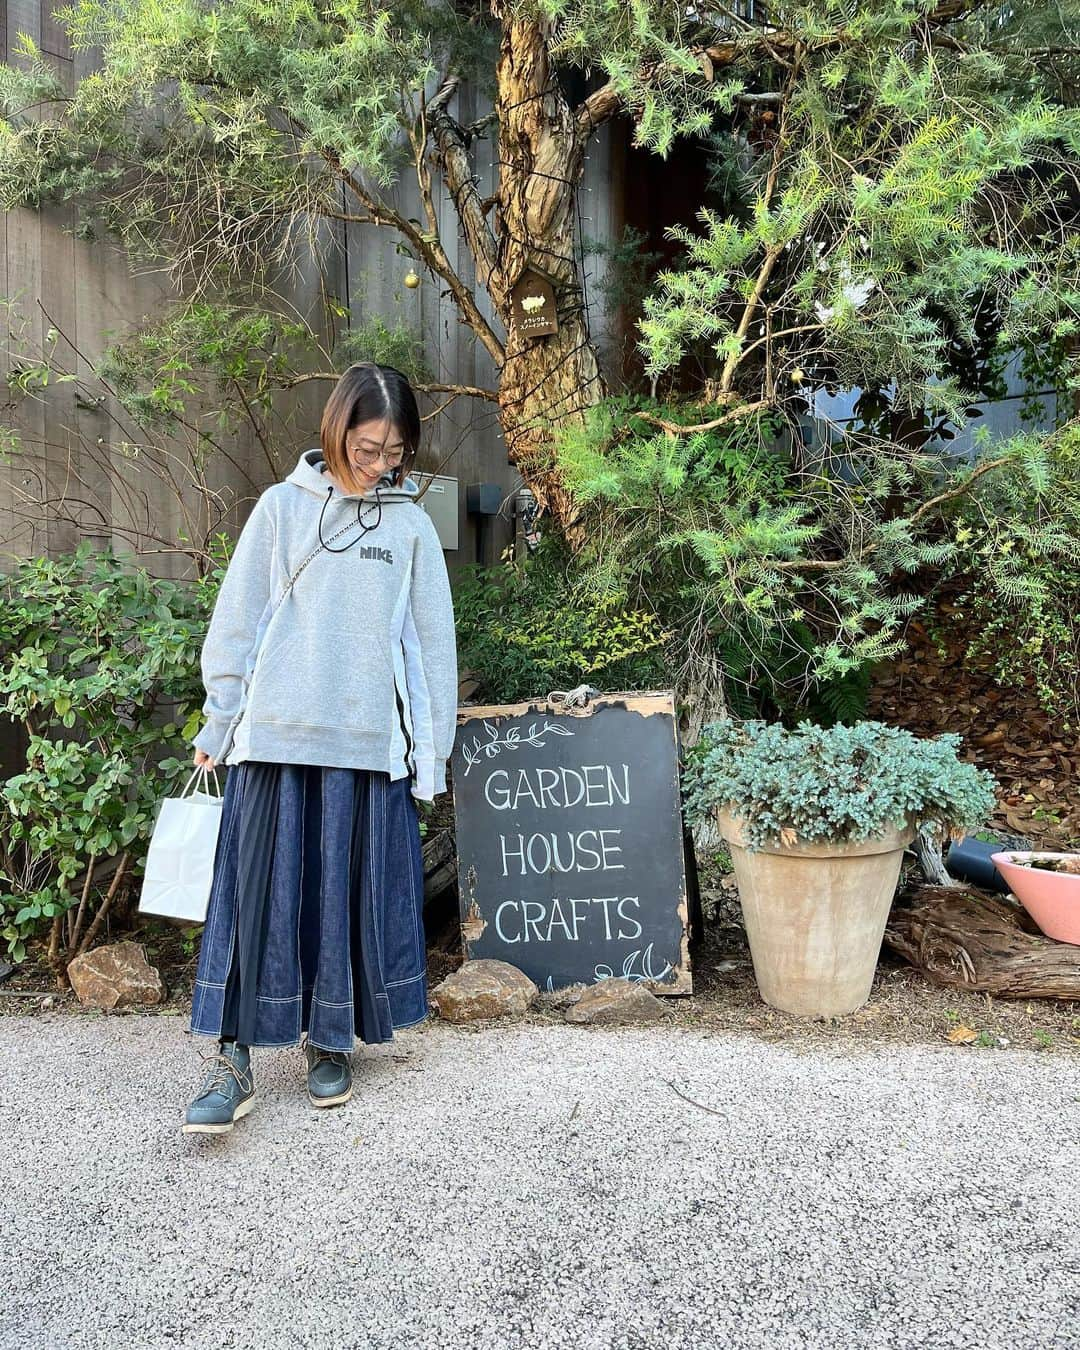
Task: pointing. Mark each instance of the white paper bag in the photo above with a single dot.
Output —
(180, 863)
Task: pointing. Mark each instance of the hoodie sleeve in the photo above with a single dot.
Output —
(430, 648)
(240, 603)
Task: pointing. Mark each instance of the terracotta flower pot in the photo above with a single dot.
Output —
(815, 915)
(1051, 898)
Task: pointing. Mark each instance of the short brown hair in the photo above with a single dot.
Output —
(368, 392)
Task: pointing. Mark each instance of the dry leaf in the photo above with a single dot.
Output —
(788, 836)
(962, 1035)
(991, 738)
(932, 691)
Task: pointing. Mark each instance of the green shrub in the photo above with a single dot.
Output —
(532, 625)
(99, 661)
(840, 783)
(1018, 559)
(786, 578)
(743, 551)
(374, 340)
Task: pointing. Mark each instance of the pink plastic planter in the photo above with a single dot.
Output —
(1051, 898)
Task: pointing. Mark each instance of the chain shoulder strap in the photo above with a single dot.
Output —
(313, 554)
(288, 587)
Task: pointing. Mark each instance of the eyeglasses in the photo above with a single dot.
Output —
(369, 457)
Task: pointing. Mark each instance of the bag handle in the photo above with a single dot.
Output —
(204, 786)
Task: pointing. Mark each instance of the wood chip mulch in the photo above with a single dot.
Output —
(1004, 730)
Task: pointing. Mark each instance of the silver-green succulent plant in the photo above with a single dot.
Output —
(840, 783)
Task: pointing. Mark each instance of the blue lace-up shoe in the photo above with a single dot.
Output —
(329, 1078)
(227, 1093)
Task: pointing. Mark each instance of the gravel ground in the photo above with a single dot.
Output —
(538, 1187)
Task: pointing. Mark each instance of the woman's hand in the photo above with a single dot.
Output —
(201, 758)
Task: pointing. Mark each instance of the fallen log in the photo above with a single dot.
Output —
(440, 865)
(962, 938)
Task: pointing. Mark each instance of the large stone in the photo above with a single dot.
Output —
(616, 1000)
(116, 976)
(482, 989)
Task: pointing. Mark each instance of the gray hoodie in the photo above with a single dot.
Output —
(357, 666)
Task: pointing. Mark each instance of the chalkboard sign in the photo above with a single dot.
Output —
(570, 840)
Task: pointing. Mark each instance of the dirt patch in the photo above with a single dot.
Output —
(903, 1007)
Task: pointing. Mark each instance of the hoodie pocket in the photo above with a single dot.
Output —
(363, 694)
(337, 679)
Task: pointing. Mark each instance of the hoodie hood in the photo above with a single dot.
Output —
(310, 474)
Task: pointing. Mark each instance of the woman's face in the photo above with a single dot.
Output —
(371, 448)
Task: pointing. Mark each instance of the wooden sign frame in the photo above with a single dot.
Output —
(622, 908)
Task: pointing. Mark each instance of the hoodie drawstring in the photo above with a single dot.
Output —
(364, 529)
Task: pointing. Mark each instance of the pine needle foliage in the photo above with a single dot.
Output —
(215, 137)
(903, 187)
(799, 579)
(1017, 561)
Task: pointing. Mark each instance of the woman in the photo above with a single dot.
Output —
(330, 668)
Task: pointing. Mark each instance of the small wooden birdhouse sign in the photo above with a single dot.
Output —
(533, 301)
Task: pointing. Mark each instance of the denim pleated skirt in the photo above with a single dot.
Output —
(315, 919)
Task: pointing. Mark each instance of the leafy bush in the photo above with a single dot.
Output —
(1018, 555)
(742, 551)
(532, 625)
(840, 783)
(201, 352)
(99, 661)
(373, 339)
(787, 577)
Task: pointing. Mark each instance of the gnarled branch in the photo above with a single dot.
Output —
(453, 155)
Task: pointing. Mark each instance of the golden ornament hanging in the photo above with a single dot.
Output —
(411, 280)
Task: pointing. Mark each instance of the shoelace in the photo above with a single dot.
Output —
(335, 1056)
(218, 1076)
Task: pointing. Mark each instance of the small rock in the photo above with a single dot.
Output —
(47, 1001)
(482, 989)
(116, 976)
(5, 969)
(616, 1000)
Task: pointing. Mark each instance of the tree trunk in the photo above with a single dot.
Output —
(545, 384)
(545, 381)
